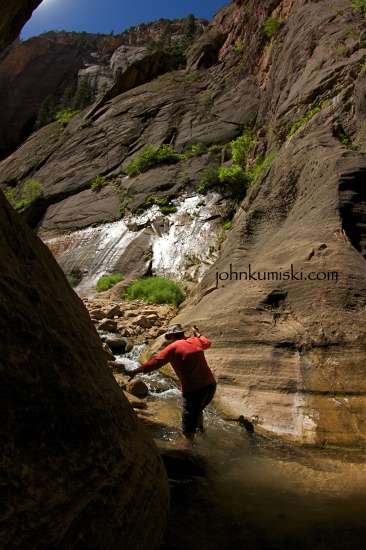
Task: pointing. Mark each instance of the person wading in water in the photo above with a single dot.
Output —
(197, 383)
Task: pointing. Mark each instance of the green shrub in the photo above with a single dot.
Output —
(105, 283)
(360, 6)
(238, 48)
(234, 178)
(185, 178)
(226, 225)
(32, 191)
(241, 147)
(65, 116)
(195, 77)
(306, 118)
(272, 25)
(152, 156)
(157, 290)
(167, 209)
(210, 178)
(258, 169)
(98, 182)
(198, 149)
(72, 280)
(10, 194)
(207, 99)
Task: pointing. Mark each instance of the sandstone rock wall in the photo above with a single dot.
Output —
(32, 71)
(77, 468)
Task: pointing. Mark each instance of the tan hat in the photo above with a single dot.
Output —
(174, 329)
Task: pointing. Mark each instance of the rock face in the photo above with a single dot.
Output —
(13, 16)
(289, 353)
(75, 459)
(28, 74)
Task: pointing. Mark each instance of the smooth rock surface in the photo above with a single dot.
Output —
(76, 465)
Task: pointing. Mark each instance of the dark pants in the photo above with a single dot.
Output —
(193, 404)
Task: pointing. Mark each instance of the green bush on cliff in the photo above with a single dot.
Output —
(272, 25)
(152, 156)
(65, 116)
(258, 169)
(360, 6)
(242, 147)
(157, 290)
(98, 182)
(11, 194)
(306, 118)
(105, 283)
(32, 191)
(234, 178)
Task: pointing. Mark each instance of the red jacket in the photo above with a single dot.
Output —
(188, 360)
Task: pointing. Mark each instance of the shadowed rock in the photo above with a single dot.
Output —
(77, 468)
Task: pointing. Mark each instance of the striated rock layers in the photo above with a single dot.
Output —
(77, 468)
(288, 352)
(287, 318)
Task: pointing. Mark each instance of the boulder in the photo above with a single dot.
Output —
(76, 464)
(108, 325)
(138, 388)
(116, 343)
(134, 401)
(97, 314)
(142, 321)
(112, 312)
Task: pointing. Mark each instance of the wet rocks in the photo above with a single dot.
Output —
(138, 388)
(108, 325)
(116, 344)
(130, 321)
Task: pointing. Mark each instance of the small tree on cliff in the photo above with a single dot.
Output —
(190, 27)
(85, 94)
(166, 36)
(46, 113)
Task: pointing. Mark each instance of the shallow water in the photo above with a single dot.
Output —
(272, 495)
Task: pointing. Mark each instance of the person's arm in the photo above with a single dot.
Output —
(154, 364)
(206, 344)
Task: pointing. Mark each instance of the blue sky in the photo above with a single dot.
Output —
(106, 15)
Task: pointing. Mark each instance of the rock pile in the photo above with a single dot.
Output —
(137, 321)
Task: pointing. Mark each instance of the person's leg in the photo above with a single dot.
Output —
(191, 410)
(207, 398)
(193, 405)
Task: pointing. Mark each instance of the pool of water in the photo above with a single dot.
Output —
(273, 495)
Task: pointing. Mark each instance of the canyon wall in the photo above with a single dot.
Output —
(288, 342)
(78, 470)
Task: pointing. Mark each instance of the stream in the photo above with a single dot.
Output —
(258, 493)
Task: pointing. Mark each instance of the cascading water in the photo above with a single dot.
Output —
(189, 234)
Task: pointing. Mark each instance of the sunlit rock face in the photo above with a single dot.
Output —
(285, 303)
(77, 468)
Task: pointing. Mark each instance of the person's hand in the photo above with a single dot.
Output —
(120, 367)
(195, 330)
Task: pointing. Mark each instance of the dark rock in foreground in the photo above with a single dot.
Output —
(77, 468)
